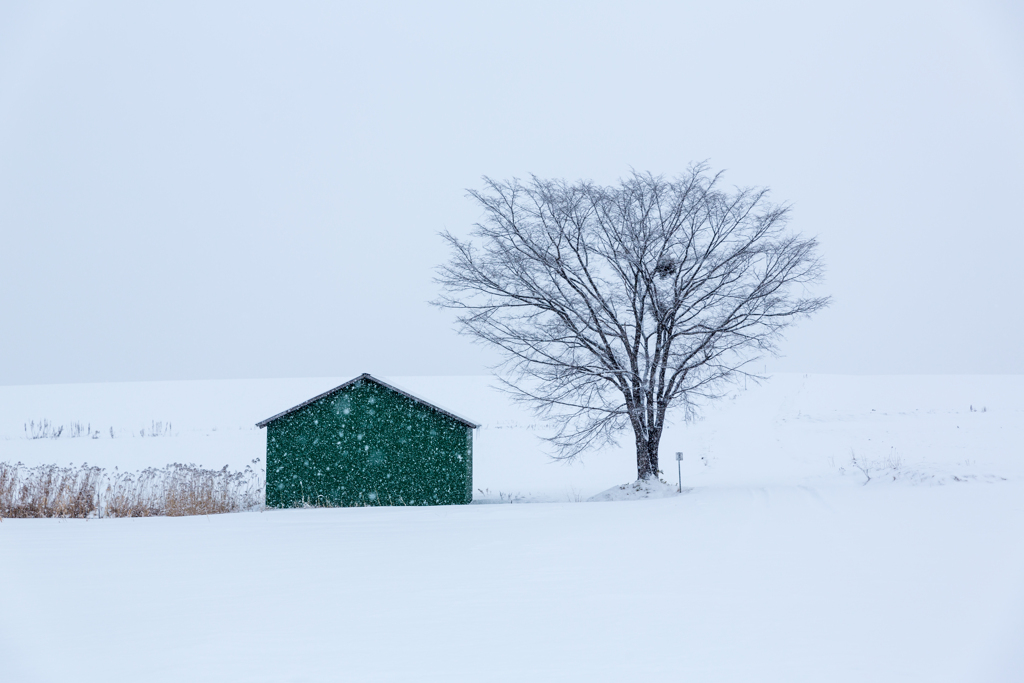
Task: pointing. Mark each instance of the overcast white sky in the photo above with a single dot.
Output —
(221, 190)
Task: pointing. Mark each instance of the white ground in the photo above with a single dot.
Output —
(776, 564)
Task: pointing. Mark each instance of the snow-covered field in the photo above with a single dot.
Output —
(780, 562)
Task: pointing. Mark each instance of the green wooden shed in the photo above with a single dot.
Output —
(368, 443)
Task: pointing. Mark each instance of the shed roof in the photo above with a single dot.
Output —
(371, 378)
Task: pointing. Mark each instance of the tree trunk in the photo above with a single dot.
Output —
(647, 455)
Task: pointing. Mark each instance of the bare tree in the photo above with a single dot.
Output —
(613, 305)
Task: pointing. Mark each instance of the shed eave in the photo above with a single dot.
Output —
(368, 376)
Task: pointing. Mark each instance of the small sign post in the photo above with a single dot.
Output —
(679, 469)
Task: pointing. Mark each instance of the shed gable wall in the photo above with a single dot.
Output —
(368, 445)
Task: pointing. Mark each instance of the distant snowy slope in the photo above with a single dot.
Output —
(795, 429)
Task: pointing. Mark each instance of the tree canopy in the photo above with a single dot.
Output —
(615, 306)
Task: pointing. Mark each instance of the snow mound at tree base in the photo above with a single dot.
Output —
(637, 490)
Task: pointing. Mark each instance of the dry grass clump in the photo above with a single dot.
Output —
(178, 490)
(48, 490)
(175, 490)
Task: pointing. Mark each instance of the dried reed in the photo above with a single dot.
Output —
(175, 490)
(48, 490)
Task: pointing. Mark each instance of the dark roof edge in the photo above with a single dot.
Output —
(373, 379)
